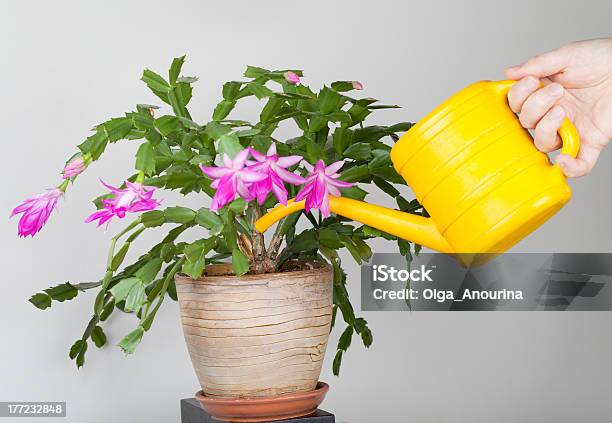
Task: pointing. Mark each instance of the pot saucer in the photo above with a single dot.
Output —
(251, 410)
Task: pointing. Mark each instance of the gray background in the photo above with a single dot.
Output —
(69, 65)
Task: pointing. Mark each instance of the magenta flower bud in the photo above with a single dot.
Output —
(74, 167)
(36, 211)
(357, 85)
(292, 77)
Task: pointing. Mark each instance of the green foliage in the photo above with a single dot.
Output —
(329, 124)
(129, 343)
(240, 262)
(41, 300)
(207, 219)
(77, 351)
(62, 292)
(125, 286)
(98, 336)
(195, 255)
(145, 158)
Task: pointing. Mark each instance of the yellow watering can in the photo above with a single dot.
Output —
(475, 170)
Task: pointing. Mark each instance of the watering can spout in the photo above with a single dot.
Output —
(418, 229)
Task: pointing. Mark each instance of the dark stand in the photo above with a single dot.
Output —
(191, 412)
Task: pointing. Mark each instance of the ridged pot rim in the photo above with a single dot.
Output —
(321, 269)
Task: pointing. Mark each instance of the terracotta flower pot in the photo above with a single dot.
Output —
(256, 335)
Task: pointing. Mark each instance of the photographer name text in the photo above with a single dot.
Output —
(384, 273)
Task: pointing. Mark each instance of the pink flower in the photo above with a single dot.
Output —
(232, 179)
(291, 77)
(322, 182)
(74, 167)
(274, 167)
(36, 211)
(357, 85)
(134, 198)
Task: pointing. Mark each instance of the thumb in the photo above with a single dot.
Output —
(581, 165)
(542, 65)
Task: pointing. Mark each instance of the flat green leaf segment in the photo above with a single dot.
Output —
(329, 123)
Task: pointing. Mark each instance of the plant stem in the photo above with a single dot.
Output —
(277, 240)
(111, 253)
(111, 250)
(262, 262)
(245, 244)
(162, 294)
(101, 298)
(64, 185)
(84, 286)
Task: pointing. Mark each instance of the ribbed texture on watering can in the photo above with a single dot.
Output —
(421, 134)
(455, 139)
(476, 171)
(477, 176)
(257, 335)
(512, 205)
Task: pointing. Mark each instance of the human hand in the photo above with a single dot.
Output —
(577, 82)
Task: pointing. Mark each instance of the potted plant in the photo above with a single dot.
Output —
(256, 314)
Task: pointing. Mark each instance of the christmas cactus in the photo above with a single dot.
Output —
(245, 170)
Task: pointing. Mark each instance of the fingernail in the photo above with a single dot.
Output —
(555, 90)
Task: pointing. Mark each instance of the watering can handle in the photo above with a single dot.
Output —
(570, 138)
(567, 131)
